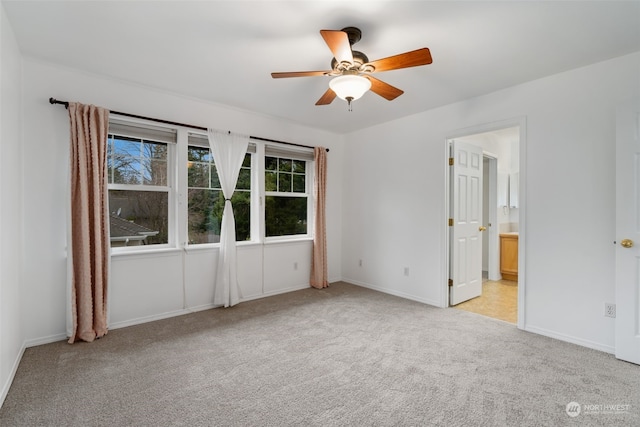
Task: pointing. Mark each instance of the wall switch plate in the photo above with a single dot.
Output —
(609, 310)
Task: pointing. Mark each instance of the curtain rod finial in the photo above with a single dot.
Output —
(55, 101)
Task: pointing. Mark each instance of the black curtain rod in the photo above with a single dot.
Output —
(168, 122)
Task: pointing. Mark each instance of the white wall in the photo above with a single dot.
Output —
(11, 330)
(150, 286)
(385, 202)
(394, 193)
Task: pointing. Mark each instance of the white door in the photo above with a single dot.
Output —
(466, 212)
(628, 232)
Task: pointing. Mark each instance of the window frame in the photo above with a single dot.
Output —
(290, 153)
(169, 188)
(178, 186)
(251, 151)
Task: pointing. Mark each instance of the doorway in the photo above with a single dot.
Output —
(502, 216)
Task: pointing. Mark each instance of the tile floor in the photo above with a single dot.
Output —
(499, 300)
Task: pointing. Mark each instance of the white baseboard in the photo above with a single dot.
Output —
(202, 307)
(146, 319)
(46, 340)
(140, 320)
(277, 292)
(571, 339)
(7, 385)
(392, 292)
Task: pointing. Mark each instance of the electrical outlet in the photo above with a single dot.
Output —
(406, 271)
(359, 263)
(295, 265)
(609, 310)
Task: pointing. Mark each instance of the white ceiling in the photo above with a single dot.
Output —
(224, 51)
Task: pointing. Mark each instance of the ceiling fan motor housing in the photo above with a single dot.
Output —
(359, 59)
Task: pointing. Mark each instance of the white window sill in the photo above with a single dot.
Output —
(120, 253)
(144, 252)
(284, 240)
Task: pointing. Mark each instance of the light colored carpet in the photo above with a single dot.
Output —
(340, 356)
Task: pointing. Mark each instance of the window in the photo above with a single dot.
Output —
(286, 196)
(139, 169)
(205, 198)
(164, 190)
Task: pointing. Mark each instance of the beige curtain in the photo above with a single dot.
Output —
(319, 257)
(89, 245)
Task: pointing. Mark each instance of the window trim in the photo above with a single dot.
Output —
(251, 151)
(177, 189)
(283, 152)
(170, 188)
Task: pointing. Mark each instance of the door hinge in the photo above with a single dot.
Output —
(450, 222)
(450, 282)
(450, 161)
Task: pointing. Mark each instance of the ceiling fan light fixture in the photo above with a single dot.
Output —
(350, 86)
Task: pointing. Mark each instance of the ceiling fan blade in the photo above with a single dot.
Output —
(383, 89)
(327, 98)
(403, 60)
(338, 42)
(299, 74)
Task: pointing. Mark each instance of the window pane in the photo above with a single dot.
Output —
(154, 150)
(155, 163)
(205, 211)
(155, 172)
(132, 161)
(206, 202)
(247, 161)
(298, 166)
(271, 181)
(126, 161)
(284, 165)
(241, 201)
(270, 163)
(126, 170)
(215, 180)
(299, 184)
(138, 217)
(244, 179)
(285, 215)
(126, 146)
(123, 160)
(197, 154)
(205, 215)
(198, 175)
(284, 182)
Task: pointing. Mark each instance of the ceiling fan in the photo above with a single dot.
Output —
(352, 69)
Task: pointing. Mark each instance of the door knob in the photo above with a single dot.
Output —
(626, 243)
(482, 228)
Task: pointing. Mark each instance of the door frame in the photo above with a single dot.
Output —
(521, 123)
(493, 239)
